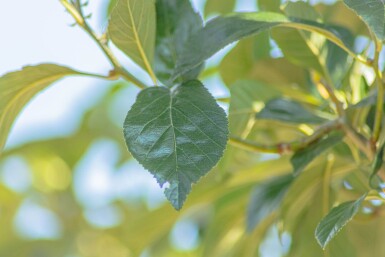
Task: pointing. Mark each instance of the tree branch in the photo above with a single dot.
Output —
(76, 12)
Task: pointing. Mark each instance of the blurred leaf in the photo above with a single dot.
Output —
(305, 156)
(224, 30)
(19, 87)
(338, 14)
(176, 22)
(373, 14)
(300, 47)
(269, 5)
(266, 198)
(245, 95)
(288, 111)
(219, 6)
(366, 235)
(132, 29)
(376, 165)
(301, 10)
(261, 47)
(336, 219)
(178, 136)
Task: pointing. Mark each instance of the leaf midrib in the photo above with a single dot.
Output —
(139, 44)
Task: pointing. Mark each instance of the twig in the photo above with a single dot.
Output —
(380, 94)
(339, 105)
(287, 147)
(77, 14)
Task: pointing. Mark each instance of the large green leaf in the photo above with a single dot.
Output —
(305, 156)
(372, 12)
(132, 29)
(17, 88)
(224, 30)
(177, 135)
(266, 198)
(176, 22)
(336, 219)
(288, 111)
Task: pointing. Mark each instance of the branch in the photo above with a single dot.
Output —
(76, 12)
(288, 147)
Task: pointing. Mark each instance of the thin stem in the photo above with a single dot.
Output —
(380, 94)
(287, 147)
(361, 142)
(339, 105)
(109, 77)
(77, 14)
(380, 90)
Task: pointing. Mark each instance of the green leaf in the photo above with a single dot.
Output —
(301, 47)
(17, 88)
(372, 12)
(224, 30)
(305, 156)
(177, 135)
(288, 111)
(219, 6)
(301, 10)
(269, 5)
(176, 22)
(266, 198)
(335, 220)
(132, 29)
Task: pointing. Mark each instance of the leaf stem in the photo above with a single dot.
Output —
(77, 13)
(380, 94)
(339, 105)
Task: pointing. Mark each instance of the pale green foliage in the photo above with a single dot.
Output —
(17, 89)
(132, 29)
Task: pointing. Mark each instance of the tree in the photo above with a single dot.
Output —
(298, 157)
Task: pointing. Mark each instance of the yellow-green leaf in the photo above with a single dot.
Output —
(17, 88)
(132, 29)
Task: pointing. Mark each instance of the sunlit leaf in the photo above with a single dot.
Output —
(17, 88)
(176, 22)
(266, 198)
(301, 47)
(224, 30)
(132, 29)
(373, 14)
(336, 219)
(305, 156)
(177, 135)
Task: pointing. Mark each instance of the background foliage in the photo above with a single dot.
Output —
(283, 89)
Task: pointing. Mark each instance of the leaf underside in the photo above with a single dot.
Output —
(19, 87)
(176, 135)
(132, 29)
